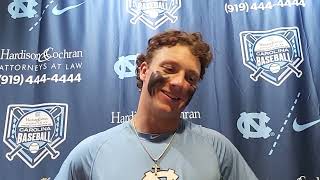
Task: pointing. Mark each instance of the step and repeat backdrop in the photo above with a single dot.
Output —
(67, 71)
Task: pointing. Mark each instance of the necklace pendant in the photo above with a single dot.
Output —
(155, 168)
(156, 173)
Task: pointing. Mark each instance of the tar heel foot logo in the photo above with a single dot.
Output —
(272, 55)
(126, 66)
(34, 131)
(246, 123)
(22, 8)
(153, 13)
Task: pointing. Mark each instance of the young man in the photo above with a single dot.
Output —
(156, 144)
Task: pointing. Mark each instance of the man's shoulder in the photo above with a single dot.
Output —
(79, 162)
(204, 132)
(92, 144)
(209, 136)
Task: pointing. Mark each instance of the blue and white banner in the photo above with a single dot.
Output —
(67, 71)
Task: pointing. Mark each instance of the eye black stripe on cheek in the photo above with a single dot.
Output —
(156, 80)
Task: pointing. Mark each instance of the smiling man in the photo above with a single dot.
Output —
(156, 143)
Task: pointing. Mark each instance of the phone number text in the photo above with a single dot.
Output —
(38, 79)
(255, 6)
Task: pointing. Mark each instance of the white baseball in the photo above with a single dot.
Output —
(274, 68)
(34, 147)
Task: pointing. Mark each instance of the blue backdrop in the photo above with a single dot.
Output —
(67, 72)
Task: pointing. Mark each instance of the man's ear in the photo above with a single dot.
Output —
(143, 70)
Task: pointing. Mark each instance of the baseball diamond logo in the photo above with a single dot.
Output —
(34, 131)
(273, 54)
(153, 13)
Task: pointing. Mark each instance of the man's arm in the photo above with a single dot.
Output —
(233, 166)
(78, 164)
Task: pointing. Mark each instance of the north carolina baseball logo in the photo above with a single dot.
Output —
(153, 13)
(272, 55)
(34, 131)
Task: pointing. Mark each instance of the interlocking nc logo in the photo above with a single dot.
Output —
(34, 131)
(45, 178)
(22, 8)
(153, 13)
(126, 66)
(247, 121)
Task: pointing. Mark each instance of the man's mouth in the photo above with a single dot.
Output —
(171, 96)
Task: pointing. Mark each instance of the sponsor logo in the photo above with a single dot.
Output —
(117, 118)
(57, 12)
(272, 55)
(301, 127)
(249, 128)
(154, 136)
(46, 55)
(153, 13)
(22, 8)
(34, 131)
(25, 8)
(126, 66)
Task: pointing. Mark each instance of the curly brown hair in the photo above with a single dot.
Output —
(170, 38)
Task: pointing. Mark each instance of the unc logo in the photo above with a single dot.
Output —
(45, 178)
(247, 121)
(272, 55)
(167, 174)
(22, 8)
(153, 13)
(34, 131)
(126, 66)
(302, 178)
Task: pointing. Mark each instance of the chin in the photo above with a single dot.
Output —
(165, 108)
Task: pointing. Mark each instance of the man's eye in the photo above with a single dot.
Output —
(169, 69)
(193, 80)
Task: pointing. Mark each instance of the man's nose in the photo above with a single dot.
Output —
(178, 81)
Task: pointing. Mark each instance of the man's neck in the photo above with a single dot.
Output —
(155, 123)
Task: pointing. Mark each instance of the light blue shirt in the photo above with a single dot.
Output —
(196, 153)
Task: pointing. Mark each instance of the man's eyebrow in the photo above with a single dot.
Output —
(168, 61)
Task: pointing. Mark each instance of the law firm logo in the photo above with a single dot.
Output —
(22, 8)
(153, 13)
(272, 55)
(34, 131)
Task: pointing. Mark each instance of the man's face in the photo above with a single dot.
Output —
(171, 78)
